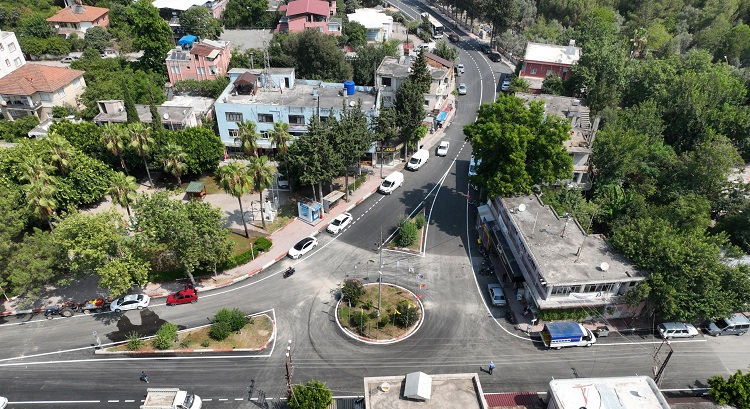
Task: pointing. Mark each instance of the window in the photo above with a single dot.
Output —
(597, 288)
(45, 96)
(297, 119)
(268, 118)
(562, 290)
(17, 61)
(234, 133)
(7, 62)
(533, 71)
(61, 92)
(12, 47)
(426, 102)
(387, 81)
(234, 116)
(175, 69)
(77, 83)
(201, 71)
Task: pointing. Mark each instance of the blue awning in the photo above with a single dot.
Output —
(441, 116)
(186, 40)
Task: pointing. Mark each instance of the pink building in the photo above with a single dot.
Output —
(541, 60)
(202, 60)
(312, 14)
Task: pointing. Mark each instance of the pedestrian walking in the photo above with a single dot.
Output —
(491, 367)
(144, 376)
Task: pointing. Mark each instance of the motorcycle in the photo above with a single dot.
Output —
(289, 271)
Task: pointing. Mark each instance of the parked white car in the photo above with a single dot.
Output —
(339, 223)
(282, 182)
(462, 89)
(496, 295)
(442, 150)
(130, 302)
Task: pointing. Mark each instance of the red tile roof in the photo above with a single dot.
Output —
(32, 78)
(512, 399)
(66, 15)
(203, 49)
(317, 7)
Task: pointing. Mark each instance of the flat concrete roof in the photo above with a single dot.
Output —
(199, 104)
(370, 18)
(551, 53)
(448, 391)
(626, 392)
(572, 110)
(555, 241)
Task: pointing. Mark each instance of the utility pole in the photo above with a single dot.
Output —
(380, 270)
(660, 367)
(289, 368)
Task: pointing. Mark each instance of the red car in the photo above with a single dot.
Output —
(185, 296)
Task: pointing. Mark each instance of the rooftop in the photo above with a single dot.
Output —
(178, 4)
(401, 68)
(550, 53)
(32, 78)
(572, 110)
(174, 114)
(302, 95)
(77, 14)
(627, 392)
(370, 18)
(563, 253)
(448, 391)
(317, 7)
(201, 105)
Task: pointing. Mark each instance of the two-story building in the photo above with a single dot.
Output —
(300, 15)
(11, 56)
(267, 96)
(582, 132)
(34, 89)
(393, 71)
(173, 118)
(198, 60)
(378, 24)
(77, 18)
(541, 60)
(550, 259)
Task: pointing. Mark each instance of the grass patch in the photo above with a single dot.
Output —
(286, 213)
(210, 184)
(253, 335)
(241, 243)
(372, 326)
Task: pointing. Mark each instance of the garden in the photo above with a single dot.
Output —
(409, 233)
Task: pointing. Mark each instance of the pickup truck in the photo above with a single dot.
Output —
(567, 334)
(170, 398)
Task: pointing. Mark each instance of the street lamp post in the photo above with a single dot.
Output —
(289, 368)
(380, 284)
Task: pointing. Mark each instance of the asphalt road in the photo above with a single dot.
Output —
(50, 364)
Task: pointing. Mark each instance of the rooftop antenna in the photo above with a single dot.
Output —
(268, 83)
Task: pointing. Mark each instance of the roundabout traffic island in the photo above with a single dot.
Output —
(357, 314)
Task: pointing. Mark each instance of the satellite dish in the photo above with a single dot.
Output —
(604, 266)
(522, 207)
(165, 116)
(385, 386)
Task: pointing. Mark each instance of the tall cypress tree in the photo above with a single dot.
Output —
(156, 125)
(130, 110)
(420, 74)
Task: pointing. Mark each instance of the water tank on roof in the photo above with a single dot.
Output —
(349, 86)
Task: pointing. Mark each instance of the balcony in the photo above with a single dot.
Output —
(23, 106)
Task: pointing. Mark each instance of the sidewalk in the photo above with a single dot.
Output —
(283, 239)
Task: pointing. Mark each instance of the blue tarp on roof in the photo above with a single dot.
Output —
(441, 116)
(188, 39)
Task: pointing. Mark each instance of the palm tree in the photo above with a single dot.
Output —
(261, 174)
(174, 161)
(62, 152)
(141, 140)
(247, 137)
(123, 190)
(40, 195)
(113, 137)
(35, 169)
(281, 137)
(235, 180)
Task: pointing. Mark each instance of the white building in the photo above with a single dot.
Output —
(393, 71)
(378, 24)
(626, 392)
(11, 57)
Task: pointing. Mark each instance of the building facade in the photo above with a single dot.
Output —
(541, 60)
(11, 56)
(378, 24)
(265, 97)
(78, 19)
(35, 89)
(393, 71)
(200, 61)
(550, 259)
(300, 15)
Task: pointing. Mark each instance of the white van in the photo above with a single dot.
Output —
(391, 182)
(418, 159)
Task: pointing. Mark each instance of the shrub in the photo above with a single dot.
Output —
(408, 234)
(234, 318)
(407, 313)
(420, 220)
(219, 330)
(352, 290)
(359, 320)
(205, 344)
(165, 336)
(262, 244)
(185, 342)
(367, 305)
(134, 341)
(240, 259)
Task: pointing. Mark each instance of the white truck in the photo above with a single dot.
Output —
(170, 398)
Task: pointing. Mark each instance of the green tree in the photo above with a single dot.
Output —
(113, 137)
(152, 33)
(446, 51)
(261, 173)
(40, 195)
(368, 58)
(406, 313)
(246, 13)
(310, 156)
(314, 56)
(732, 391)
(34, 264)
(130, 110)
(420, 74)
(519, 146)
(247, 137)
(202, 147)
(312, 395)
(18, 129)
(409, 107)
(235, 180)
(281, 138)
(385, 128)
(84, 136)
(355, 34)
(173, 159)
(198, 21)
(123, 190)
(142, 142)
(552, 85)
(97, 38)
(62, 152)
(352, 290)
(35, 26)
